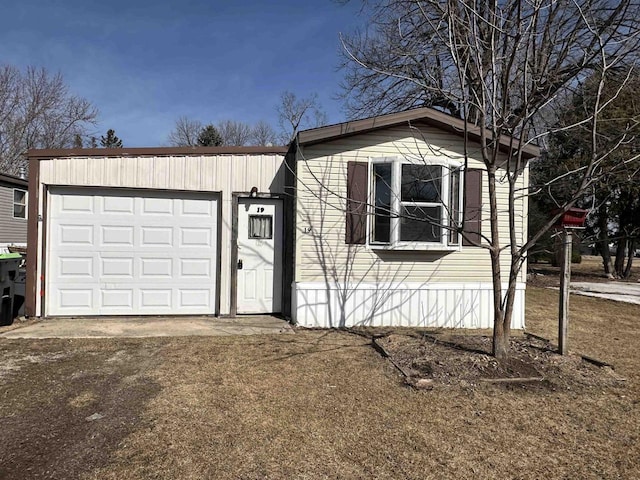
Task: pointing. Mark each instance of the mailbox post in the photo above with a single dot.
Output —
(571, 220)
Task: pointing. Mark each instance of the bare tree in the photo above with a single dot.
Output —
(234, 133)
(185, 132)
(297, 113)
(37, 111)
(263, 133)
(501, 65)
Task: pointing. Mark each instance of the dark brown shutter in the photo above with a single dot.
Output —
(356, 225)
(472, 207)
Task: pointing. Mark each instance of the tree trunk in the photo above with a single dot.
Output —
(603, 242)
(501, 328)
(500, 338)
(630, 253)
(621, 248)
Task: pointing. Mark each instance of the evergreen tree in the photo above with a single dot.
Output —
(209, 137)
(111, 140)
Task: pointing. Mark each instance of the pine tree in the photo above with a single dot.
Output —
(209, 137)
(111, 140)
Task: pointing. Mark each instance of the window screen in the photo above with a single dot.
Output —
(260, 226)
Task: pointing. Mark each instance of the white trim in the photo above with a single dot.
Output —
(410, 304)
(397, 162)
(14, 203)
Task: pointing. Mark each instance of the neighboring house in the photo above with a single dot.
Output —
(13, 211)
(351, 225)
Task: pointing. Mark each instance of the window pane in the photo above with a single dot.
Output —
(421, 224)
(19, 196)
(382, 192)
(421, 183)
(260, 226)
(454, 206)
(19, 211)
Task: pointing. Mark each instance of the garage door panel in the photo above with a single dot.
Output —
(194, 298)
(78, 204)
(196, 267)
(196, 208)
(118, 205)
(76, 267)
(75, 298)
(131, 252)
(195, 237)
(119, 267)
(116, 299)
(157, 206)
(117, 235)
(156, 236)
(74, 235)
(155, 297)
(156, 267)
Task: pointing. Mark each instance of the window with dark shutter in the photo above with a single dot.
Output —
(356, 221)
(472, 207)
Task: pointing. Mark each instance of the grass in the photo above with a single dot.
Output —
(590, 269)
(309, 406)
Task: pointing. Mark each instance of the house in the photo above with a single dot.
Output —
(353, 224)
(13, 211)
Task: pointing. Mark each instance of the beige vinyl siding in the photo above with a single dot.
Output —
(322, 254)
(12, 230)
(208, 173)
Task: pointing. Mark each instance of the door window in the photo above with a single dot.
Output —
(260, 227)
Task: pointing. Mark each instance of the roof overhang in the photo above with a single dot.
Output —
(430, 116)
(16, 181)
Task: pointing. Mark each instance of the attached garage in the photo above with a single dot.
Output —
(131, 252)
(153, 231)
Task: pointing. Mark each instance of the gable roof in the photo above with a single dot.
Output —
(427, 115)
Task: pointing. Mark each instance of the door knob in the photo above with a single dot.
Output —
(239, 264)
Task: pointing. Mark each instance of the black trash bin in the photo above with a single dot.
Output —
(9, 266)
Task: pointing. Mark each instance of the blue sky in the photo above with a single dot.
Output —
(145, 63)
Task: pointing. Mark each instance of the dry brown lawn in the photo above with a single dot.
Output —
(312, 405)
(588, 270)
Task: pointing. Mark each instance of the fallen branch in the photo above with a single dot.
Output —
(383, 352)
(586, 358)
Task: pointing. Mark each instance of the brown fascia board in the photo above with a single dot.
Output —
(152, 152)
(428, 115)
(13, 180)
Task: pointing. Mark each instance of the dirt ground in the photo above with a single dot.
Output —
(312, 405)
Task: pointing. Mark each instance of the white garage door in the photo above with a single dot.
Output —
(130, 252)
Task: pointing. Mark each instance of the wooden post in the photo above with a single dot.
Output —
(565, 280)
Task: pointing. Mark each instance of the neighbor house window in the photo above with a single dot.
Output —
(19, 203)
(415, 203)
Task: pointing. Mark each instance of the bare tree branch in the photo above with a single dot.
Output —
(37, 111)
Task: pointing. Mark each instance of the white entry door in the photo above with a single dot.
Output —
(131, 252)
(260, 232)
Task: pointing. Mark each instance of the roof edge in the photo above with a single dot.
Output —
(434, 117)
(4, 177)
(151, 151)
